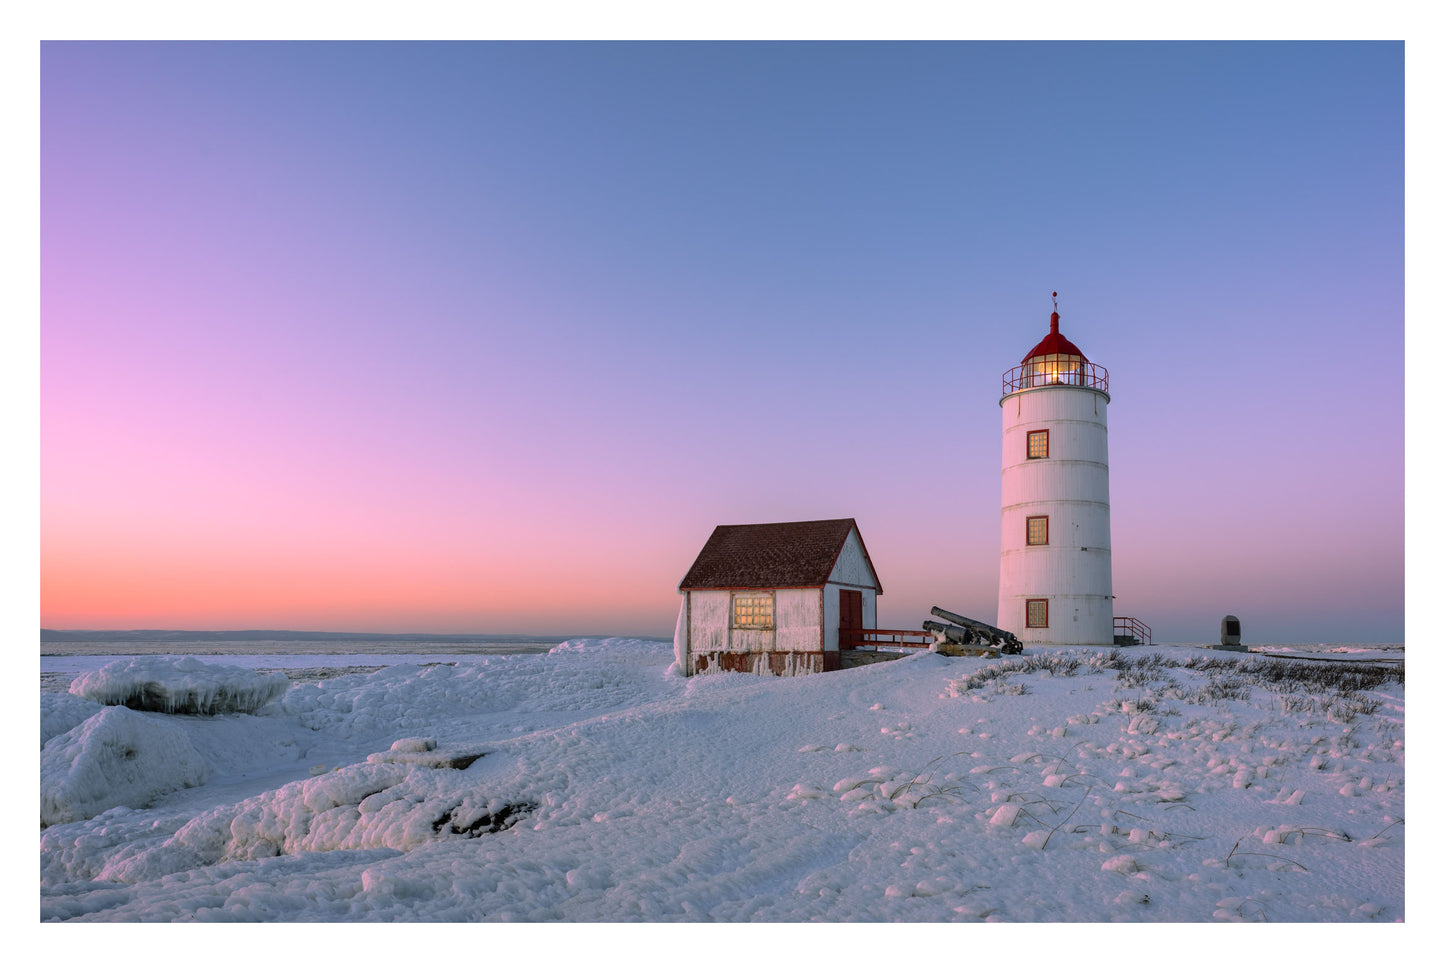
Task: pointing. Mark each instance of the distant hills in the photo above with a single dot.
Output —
(61, 636)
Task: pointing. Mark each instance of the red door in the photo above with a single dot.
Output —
(850, 621)
(850, 615)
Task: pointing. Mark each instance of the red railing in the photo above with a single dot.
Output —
(887, 638)
(1040, 374)
(1132, 626)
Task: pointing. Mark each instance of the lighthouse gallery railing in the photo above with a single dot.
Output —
(1040, 374)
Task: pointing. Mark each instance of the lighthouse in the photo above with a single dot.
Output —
(1055, 577)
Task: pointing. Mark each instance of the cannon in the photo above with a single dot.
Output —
(966, 631)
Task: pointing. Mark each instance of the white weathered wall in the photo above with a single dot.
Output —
(1075, 570)
(679, 638)
(796, 614)
(709, 614)
(830, 618)
(852, 569)
(796, 624)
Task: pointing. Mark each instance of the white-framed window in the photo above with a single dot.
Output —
(753, 610)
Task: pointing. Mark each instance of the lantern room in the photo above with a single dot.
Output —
(1055, 361)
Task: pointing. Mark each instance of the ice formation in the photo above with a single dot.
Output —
(61, 712)
(178, 685)
(115, 758)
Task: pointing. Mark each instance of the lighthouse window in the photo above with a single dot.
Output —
(1038, 530)
(1037, 614)
(1039, 444)
(753, 611)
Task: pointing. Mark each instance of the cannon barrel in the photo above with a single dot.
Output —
(974, 624)
(954, 634)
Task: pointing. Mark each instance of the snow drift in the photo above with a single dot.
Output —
(115, 758)
(1057, 786)
(178, 685)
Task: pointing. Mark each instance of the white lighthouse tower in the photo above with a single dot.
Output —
(1055, 577)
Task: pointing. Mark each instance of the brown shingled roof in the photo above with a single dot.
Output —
(774, 555)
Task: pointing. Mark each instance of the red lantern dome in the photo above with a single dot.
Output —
(1055, 343)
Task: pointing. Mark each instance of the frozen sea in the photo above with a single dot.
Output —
(59, 664)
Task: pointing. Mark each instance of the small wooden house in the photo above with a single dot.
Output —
(772, 598)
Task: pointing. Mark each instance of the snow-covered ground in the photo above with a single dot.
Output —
(1080, 785)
